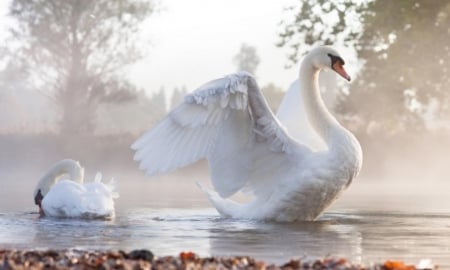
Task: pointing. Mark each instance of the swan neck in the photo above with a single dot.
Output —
(318, 115)
(67, 167)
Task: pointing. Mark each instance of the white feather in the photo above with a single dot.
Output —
(71, 198)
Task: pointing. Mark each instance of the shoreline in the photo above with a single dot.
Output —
(145, 259)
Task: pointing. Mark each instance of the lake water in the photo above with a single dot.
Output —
(359, 236)
(372, 222)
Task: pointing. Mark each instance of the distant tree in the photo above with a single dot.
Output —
(74, 51)
(247, 59)
(177, 96)
(11, 76)
(406, 48)
(21, 109)
(145, 111)
(159, 100)
(403, 71)
(274, 95)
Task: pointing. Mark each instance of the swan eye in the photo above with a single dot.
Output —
(335, 59)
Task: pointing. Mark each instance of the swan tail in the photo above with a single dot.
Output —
(98, 177)
(225, 207)
(111, 186)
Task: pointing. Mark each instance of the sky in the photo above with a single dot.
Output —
(195, 41)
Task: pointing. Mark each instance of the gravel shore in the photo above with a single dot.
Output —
(144, 259)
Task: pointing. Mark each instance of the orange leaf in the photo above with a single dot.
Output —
(187, 255)
(398, 265)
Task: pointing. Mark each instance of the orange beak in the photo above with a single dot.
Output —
(341, 71)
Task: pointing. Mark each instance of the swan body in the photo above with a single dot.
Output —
(228, 122)
(71, 198)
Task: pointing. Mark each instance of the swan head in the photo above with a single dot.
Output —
(325, 57)
(68, 167)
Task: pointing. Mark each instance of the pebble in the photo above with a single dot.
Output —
(143, 259)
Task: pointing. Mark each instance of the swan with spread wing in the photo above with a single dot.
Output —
(228, 122)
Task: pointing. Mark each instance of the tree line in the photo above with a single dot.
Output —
(74, 53)
(405, 47)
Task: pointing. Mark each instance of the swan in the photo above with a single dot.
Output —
(228, 122)
(71, 198)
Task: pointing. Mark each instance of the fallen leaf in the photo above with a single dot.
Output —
(187, 255)
(398, 265)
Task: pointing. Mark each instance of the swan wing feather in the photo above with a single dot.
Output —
(217, 122)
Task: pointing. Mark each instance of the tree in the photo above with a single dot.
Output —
(320, 22)
(247, 59)
(159, 99)
(404, 72)
(146, 112)
(74, 52)
(177, 96)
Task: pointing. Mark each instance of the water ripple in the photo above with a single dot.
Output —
(359, 236)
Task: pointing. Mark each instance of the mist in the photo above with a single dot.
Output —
(87, 110)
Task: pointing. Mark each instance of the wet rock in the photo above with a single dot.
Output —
(141, 254)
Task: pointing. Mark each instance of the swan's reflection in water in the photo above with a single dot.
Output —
(169, 231)
(278, 243)
(359, 236)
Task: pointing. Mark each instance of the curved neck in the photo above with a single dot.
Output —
(318, 115)
(64, 167)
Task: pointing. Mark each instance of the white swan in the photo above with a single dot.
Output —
(71, 197)
(228, 122)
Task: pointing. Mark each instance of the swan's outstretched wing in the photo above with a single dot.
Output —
(292, 115)
(222, 121)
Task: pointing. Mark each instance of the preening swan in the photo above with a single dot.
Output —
(71, 197)
(228, 122)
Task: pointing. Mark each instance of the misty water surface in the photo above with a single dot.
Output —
(361, 236)
(372, 221)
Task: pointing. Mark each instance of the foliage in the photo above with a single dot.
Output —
(405, 47)
(247, 59)
(320, 22)
(74, 51)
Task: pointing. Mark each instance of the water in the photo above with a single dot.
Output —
(361, 236)
(374, 220)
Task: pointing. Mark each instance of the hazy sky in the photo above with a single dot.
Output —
(195, 41)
